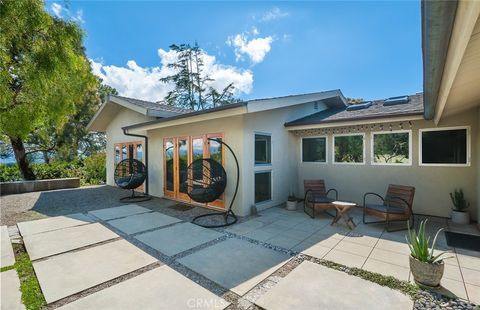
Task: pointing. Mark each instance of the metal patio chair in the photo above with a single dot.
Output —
(316, 195)
(396, 206)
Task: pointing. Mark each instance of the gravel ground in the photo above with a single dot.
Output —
(37, 205)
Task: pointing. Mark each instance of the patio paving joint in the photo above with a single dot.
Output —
(78, 249)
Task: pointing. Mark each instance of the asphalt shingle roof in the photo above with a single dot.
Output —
(154, 105)
(376, 110)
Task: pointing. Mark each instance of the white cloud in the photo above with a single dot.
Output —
(62, 12)
(57, 9)
(255, 49)
(274, 13)
(144, 82)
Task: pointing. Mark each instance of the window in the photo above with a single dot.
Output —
(263, 186)
(447, 146)
(391, 148)
(349, 149)
(263, 148)
(314, 149)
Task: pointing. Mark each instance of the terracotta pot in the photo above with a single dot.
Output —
(291, 205)
(459, 217)
(426, 273)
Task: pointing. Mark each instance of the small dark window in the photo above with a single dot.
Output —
(263, 149)
(314, 149)
(263, 186)
(444, 146)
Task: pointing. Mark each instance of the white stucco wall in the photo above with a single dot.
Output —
(231, 127)
(433, 184)
(114, 132)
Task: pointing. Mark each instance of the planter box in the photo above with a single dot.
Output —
(18, 187)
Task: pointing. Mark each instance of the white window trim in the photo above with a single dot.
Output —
(343, 135)
(420, 159)
(372, 136)
(261, 166)
(271, 187)
(314, 162)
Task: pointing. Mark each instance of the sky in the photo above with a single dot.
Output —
(369, 50)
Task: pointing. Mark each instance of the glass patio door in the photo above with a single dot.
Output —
(179, 152)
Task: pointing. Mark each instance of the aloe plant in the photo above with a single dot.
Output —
(458, 200)
(419, 245)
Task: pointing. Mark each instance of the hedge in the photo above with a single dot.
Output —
(90, 170)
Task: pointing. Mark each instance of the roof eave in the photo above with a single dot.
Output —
(356, 119)
(437, 24)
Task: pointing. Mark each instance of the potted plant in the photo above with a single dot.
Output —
(292, 202)
(460, 208)
(427, 268)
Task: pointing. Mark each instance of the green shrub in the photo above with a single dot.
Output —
(95, 171)
(91, 170)
(9, 173)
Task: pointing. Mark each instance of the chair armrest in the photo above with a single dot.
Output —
(334, 190)
(306, 193)
(374, 194)
(399, 198)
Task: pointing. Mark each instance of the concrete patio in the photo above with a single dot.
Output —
(91, 259)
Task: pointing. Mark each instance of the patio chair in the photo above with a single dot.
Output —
(396, 206)
(316, 195)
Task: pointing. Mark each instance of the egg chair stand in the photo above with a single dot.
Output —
(130, 174)
(210, 186)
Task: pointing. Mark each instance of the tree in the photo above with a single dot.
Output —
(391, 147)
(354, 100)
(72, 139)
(43, 73)
(193, 87)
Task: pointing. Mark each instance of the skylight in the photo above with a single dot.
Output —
(360, 106)
(396, 100)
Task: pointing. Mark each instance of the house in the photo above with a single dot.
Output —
(429, 140)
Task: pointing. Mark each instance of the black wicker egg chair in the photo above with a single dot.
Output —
(130, 174)
(206, 182)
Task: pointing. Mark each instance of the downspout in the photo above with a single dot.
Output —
(146, 153)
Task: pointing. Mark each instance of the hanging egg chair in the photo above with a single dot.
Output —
(206, 182)
(130, 174)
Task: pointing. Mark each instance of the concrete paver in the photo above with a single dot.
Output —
(142, 222)
(11, 297)
(67, 239)
(177, 238)
(117, 212)
(324, 288)
(7, 257)
(160, 288)
(235, 264)
(73, 272)
(53, 223)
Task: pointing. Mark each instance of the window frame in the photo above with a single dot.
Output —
(271, 147)
(372, 145)
(468, 152)
(349, 134)
(271, 187)
(326, 150)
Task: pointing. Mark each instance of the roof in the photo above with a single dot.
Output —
(438, 18)
(332, 98)
(113, 104)
(376, 110)
(157, 106)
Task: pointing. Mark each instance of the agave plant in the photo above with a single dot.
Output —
(419, 245)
